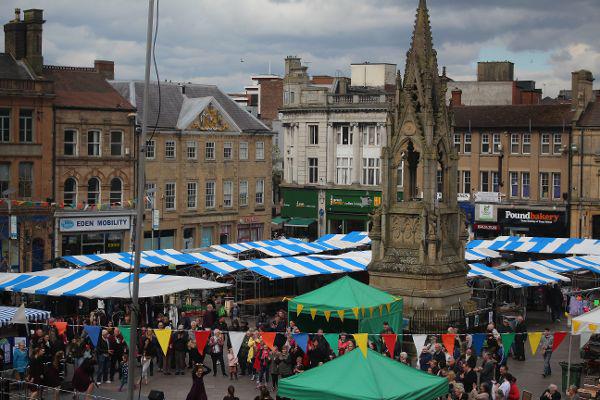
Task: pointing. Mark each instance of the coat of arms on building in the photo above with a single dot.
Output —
(210, 120)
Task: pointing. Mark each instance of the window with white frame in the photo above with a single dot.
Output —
(93, 143)
(4, 125)
(260, 192)
(467, 143)
(26, 126)
(93, 191)
(116, 143)
(525, 185)
(515, 143)
(439, 179)
(544, 185)
(150, 149)
(210, 194)
(192, 195)
(290, 168)
(209, 151)
(243, 193)
(400, 175)
(227, 193)
(457, 137)
(370, 174)
(170, 149)
(557, 143)
(556, 192)
(370, 135)
(527, 143)
(485, 143)
(514, 184)
(70, 142)
(170, 195)
(313, 134)
(466, 182)
(243, 150)
(192, 149)
(343, 170)
(484, 181)
(344, 135)
(495, 182)
(150, 189)
(70, 192)
(115, 195)
(260, 150)
(227, 151)
(545, 144)
(313, 170)
(496, 142)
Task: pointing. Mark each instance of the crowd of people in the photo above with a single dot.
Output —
(469, 376)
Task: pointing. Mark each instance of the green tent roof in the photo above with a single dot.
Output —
(354, 377)
(343, 294)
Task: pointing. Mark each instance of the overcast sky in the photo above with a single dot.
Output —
(205, 41)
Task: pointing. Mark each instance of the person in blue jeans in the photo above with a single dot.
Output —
(103, 353)
(547, 343)
(20, 361)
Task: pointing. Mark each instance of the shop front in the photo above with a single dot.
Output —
(92, 232)
(533, 222)
(250, 229)
(348, 210)
(300, 212)
(485, 224)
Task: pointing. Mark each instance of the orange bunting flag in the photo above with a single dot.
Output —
(448, 341)
(341, 315)
(313, 313)
(268, 338)
(61, 327)
(361, 342)
(201, 339)
(299, 308)
(558, 338)
(355, 311)
(327, 315)
(390, 342)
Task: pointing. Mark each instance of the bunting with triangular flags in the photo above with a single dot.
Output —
(61, 327)
(419, 342)
(390, 342)
(269, 338)
(93, 332)
(478, 340)
(355, 312)
(558, 338)
(302, 340)
(299, 308)
(327, 315)
(236, 339)
(448, 341)
(534, 341)
(126, 332)
(313, 313)
(20, 316)
(332, 339)
(341, 315)
(362, 342)
(507, 341)
(164, 337)
(201, 338)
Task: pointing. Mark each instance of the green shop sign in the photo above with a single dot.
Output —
(352, 201)
(300, 203)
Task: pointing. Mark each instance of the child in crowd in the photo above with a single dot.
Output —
(233, 363)
(124, 371)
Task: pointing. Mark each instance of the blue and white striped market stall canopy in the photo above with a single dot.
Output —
(282, 247)
(32, 315)
(480, 254)
(150, 258)
(516, 278)
(567, 264)
(539, 245)
(99, 284)
(344, 241)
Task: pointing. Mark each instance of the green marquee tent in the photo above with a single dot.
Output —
(355, 377)
(346, 305)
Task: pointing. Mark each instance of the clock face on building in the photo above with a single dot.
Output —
(408, 128)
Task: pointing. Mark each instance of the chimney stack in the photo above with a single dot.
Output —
(456, 97)
(582, 92)
(34, 19)
(106, 68)
(14, 36)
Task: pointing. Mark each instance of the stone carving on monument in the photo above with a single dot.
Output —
(418, 234)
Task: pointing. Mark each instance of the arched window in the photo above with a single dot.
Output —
(93, 196)
(116, 191)
(70, 192)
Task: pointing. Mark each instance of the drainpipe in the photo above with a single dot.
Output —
(54, 243)
(581, 184)
(569, 177)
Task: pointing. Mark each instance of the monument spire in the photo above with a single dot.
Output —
(422, 41)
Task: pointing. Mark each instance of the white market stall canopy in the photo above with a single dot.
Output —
(32, 315)
(480, 254)
(516, 278)
(587, 323)
(542, 245)
(99, 284)
(567, 264)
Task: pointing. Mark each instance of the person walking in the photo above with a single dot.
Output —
(103, 353)
(547, 343)
(198, 391)
(20, 361)
(520, 338)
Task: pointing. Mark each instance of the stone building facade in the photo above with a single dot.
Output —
(208, 169)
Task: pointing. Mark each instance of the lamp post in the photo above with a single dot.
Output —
(5, 195)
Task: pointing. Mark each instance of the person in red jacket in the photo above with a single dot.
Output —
(514, 393)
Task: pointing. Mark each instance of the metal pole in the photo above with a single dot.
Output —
(139, 220)
(569, 366)
(9, 237)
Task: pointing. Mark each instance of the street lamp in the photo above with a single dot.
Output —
(5, 195)
(151, 195)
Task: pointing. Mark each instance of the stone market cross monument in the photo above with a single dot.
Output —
(418, 233)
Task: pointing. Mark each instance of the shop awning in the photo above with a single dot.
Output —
(567, 264)
(543, 245)
(7, 314)
(515, 278)
(480, 254)
(300, 222)
(278, 220)
(150, 258)
(99, 284)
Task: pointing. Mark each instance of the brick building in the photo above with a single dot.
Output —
(208, 169)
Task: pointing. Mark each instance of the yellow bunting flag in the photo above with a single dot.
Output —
(389, 307)
(534, 341)
(341, 314)
(363, 311)
(361, 342)
(576, 326)
(299, 308)
(313, 313)
(327, 315)
(164, 337)
(371, 312)
(355, 311)
(381, 310)
(592, 327)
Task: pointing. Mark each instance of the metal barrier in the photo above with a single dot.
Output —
(22, 390)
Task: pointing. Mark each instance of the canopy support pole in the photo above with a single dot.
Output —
(569, 365)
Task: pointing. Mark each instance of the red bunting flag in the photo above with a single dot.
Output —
(268, 338)
(448, 341)
(201, 339)
(61, 327)
(390, 342)
(558, 338)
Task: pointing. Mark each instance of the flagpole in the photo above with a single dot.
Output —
(139, 219)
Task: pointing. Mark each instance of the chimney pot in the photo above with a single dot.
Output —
(106, 68)
(17, 15)
(456, 97)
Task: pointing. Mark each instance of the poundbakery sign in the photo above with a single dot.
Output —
(524, 217)
(84, 224)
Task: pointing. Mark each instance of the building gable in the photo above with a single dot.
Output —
(205, 114)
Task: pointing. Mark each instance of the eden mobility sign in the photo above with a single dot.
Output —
(86, 224)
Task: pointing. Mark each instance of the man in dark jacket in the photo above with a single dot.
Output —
(487, 369)
(180, 340)
(520, 338)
